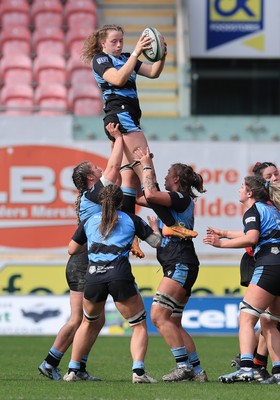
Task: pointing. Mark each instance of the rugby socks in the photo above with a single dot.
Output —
(180, 355)
(275, 367)
(194, 361)
(260, 361)
(54, 357)
(73, 366)
(83, 363)
(246, 361)
(138, 367)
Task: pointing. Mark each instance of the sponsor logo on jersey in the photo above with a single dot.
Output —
(250, 219)
(102, 60)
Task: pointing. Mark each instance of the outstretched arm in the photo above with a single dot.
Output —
(154, 239)
(224, 233)
(112, 170)
(152, 193)
(248, 240)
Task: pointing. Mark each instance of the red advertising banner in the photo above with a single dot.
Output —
(37, 194)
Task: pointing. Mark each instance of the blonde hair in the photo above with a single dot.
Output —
(92, 44)
(274, 193)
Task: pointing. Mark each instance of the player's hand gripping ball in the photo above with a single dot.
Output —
(157, 49)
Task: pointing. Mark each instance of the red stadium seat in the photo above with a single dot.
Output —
(16, 39)
(16, 68)
(77, 72)
(85, 100)
(75, 40)
(50, 68)
(48, 40)
(47, 13)
(17, 99)
(14, 13)
(51, 99)
(81, 13)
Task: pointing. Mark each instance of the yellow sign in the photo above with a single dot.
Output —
(41, 279)
(33, 279)
(218, 280)
(232, 10)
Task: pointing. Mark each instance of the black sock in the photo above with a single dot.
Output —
(73, 369)
(139, 371)
(260, 361)
(82, 366)
(54, 362)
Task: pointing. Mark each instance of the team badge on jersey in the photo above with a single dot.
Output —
(275, 250)
(92, 269)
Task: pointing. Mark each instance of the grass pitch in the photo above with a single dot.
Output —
(110, 360)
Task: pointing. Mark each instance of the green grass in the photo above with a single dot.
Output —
(110, 360)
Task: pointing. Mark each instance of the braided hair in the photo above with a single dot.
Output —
(79, 177)
(110, 198)
(92, 44)
(189, 179)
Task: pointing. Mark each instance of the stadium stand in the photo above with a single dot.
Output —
(158, 97)
(14, 13)
(78, 73)
(85, 100)
(17, 99)
(16, 68)
(75, 40)
(15, 39)
(47, 13)
(37, 39)
(80, 13)
(51, 99)
(48, 40)
(50, 68)
(168, 98)
(52, 32)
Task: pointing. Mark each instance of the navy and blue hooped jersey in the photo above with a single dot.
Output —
(264, 218)
(111, 93)
(174, 250)
(109, 258)
(89, 204)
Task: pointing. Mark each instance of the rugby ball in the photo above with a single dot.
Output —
(157, 49)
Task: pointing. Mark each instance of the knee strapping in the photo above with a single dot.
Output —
(166, 301)
(178, 311)
(91, 318)
(137, 319)
(268, 315)
(246, 307)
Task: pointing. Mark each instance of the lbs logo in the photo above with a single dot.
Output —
(37, 195)
(228, 20)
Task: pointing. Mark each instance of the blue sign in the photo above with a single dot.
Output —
(231, 20)
(205, 315)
